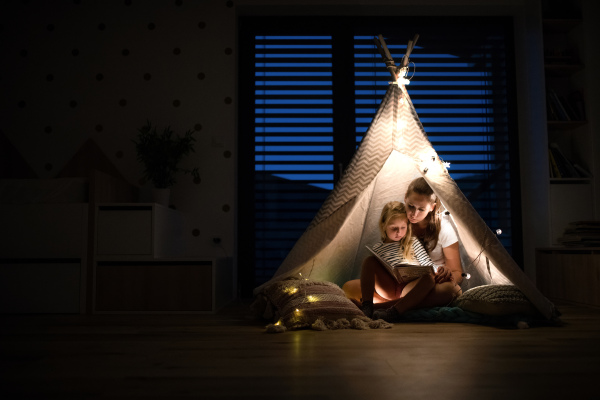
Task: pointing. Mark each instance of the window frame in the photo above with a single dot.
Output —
(343, 30)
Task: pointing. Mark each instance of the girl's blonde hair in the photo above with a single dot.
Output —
(393, 210)
(434, 223)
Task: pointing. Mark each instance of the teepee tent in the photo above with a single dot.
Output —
(394, 151)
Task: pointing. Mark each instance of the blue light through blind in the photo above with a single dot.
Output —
(293, 109)
(460, 93)
(293, 141)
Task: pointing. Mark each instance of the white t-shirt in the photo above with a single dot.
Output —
(446, 238)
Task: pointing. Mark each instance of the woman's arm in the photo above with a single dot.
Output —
(453, 264)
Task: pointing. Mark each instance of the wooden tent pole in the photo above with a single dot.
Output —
(409, 49)
(387, 57)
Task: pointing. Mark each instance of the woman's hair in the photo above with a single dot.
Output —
(391, 211)
(434, 224)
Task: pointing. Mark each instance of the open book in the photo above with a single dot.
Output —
(403, 272)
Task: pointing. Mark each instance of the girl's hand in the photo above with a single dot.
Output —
(443, 275)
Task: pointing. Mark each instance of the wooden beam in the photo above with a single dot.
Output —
(387, 57)
(409, 49)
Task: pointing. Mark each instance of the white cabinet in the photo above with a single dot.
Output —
(43, 256)
(138, 266)
(140, 230)
(163, 286)
(40, 286)
(43, 230)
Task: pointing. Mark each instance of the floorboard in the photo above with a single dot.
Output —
(229, 356)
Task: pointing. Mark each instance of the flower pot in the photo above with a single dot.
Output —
(161, 196)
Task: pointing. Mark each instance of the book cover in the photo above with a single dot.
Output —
(403, 272)
(576, 99)
(581, 234)
(551, 112)
(565, 166)
(559, 107)
(560, 165)
(582, 171)
(554, 171)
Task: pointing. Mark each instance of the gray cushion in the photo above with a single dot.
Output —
(495, 300)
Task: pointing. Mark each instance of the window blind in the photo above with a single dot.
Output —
(293, 140)
(311, 94)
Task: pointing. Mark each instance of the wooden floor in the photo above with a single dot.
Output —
(229, 356)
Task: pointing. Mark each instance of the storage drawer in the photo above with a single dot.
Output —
(154, 286)
(124, 230)
(43, 230)
(40, 286)
(145, 230)
(569, 274)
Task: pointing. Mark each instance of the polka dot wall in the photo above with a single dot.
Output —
(75, 71)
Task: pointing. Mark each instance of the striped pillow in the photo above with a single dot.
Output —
(299, 303)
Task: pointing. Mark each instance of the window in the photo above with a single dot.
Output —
(308, 93)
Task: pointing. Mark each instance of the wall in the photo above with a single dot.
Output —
(75, 71)
(591, 61)
(80, 70)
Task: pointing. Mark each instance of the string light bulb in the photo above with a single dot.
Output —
(401, 124)
(498, 232)
(402, 77)
(290, 290)
(428, 161)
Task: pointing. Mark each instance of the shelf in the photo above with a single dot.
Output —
(565, 125)
(562, 69)
(565, 48)
(568, 249)
(568, 181)
(560, 25)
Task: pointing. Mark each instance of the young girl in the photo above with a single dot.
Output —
(397, 245)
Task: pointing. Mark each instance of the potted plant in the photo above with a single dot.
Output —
(160, 153)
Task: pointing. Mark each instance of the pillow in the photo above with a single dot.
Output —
(305, 303)
(495, 300)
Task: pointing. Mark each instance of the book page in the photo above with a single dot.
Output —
(403, 272)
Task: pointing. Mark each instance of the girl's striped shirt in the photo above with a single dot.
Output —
(392, 253)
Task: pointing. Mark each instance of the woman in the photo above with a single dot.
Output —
(392, 299)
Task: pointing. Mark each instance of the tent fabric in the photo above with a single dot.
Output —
(394, 151)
